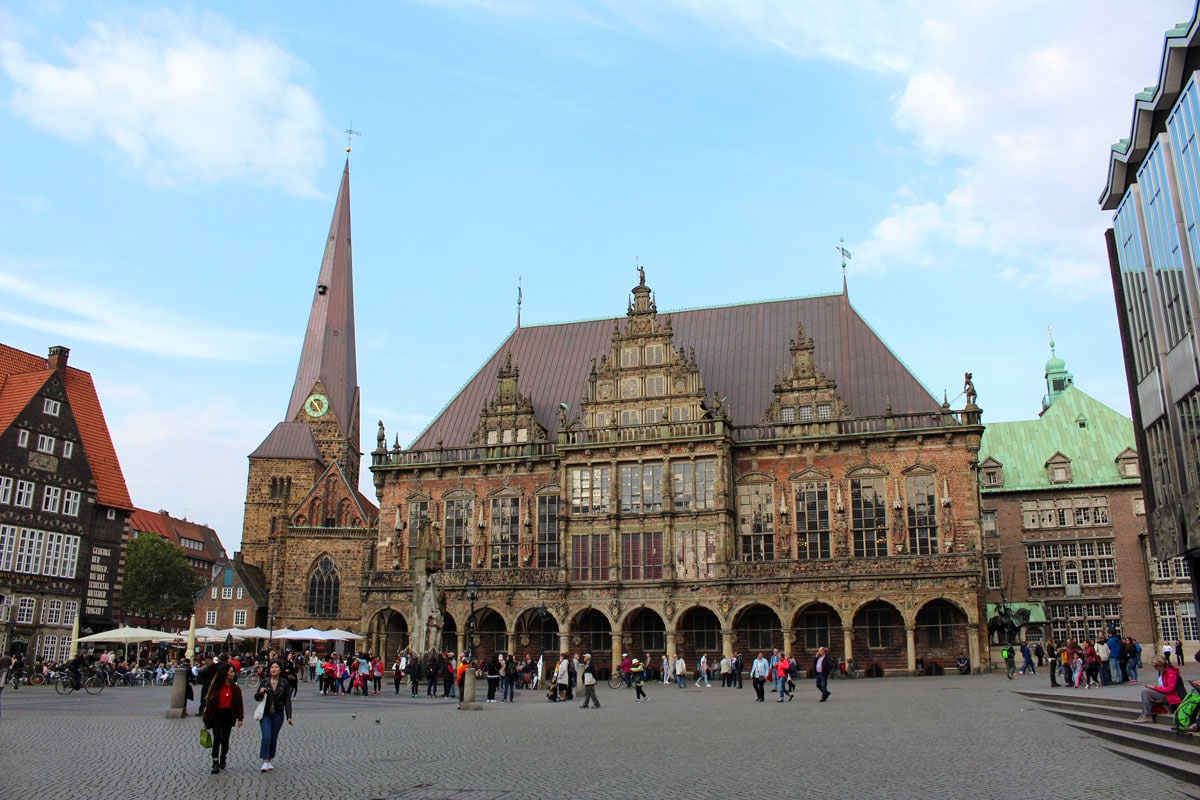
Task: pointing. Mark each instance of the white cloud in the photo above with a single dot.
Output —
(183, 98)
(90, 313)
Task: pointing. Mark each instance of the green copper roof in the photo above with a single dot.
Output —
(1023, 448)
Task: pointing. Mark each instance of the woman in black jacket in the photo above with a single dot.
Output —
(278, 694)
(222, 710)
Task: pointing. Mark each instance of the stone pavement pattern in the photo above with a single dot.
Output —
(943, 737)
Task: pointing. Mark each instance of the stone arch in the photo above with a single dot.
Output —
(941, 631)
(491, 633)
(878, 635)
(697, 631)
(644, 635)
(817, 624)
(537, 633)
(591, 632)
(757, 627)
(387, 633)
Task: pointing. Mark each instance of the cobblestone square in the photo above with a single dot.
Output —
(942, 737)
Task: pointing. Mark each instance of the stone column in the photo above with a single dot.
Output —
(848, 644)
(973, 646)
(617, 644)
(727, 643)
(461, 638)
(910, 645)
(789, 641)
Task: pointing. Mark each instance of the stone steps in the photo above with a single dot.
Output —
(1158, 746)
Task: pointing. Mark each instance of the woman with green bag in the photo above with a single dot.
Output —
(222, 709)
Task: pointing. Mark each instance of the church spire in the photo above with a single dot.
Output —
(1057, 377)
(328, 356)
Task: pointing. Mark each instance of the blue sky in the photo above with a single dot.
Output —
(171, 172)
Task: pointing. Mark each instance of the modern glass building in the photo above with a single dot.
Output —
(1153, 187)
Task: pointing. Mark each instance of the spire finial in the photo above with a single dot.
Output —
(1050, 331)
(841, 248)
(350, 132)
(518, 302)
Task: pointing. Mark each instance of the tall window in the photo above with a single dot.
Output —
(641, 488)
(591, 490)
(6, 486)
(641, 556)
(458, 534)
(868, 511)
(816, 629)
(45, 444)
(1187, 616)
(418, 515)
(812, 520)
(24, 497)
(8, 546)
(239, 617)
(25, 608)
(210, 618)
(506, 525)
(547, 531)
(51, 499)
(71, 500)
(922, 515)
(49, 646)
(29, 551)
(695, 484)
(1081, 620)
(324, 590)
(590, 557)
(993, 572)
(52, 612)
(756, 521)
(695, 554)
(1167, 621)
(938, 624)
(879, 627)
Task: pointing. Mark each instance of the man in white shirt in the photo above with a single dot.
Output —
(702, 671)
(759, 671)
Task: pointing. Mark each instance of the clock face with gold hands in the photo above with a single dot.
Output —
(316, 405)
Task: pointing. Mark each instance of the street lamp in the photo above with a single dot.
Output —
(472, 590)
(270, 631)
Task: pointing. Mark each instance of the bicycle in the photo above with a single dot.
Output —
(847, 670)
(91, 683)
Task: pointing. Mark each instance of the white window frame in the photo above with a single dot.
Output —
(68, 448)
(51, 499)
(24, 496)
(239, 593)
(25, 608)
(71, 503)
(239, 617)
(226, 592)
(51, 407)
(210, 618)
(6, 489)
(45, 444)
(22, 438)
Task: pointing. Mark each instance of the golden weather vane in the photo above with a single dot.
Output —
(350, 132)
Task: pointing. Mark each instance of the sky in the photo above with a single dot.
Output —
(171, 174)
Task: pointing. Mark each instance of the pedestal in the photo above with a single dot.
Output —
(179, 684)
(466, 700)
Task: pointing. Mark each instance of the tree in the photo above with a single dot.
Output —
(159, 582)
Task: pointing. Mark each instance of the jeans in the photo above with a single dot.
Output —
(1114, 668)
(589, 695)
(508, 689)
(681, 680)
(759, 684)
(823, 684)
(270, 724)
(1131, 666)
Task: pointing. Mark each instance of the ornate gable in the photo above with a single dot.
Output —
(331, 503)
(644, 380)
(805, 398)
(508, 418)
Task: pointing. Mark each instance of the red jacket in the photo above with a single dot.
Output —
(1168, 684)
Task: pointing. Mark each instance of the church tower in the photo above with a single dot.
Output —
(304, 514)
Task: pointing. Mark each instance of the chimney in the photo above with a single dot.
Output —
(57, 360)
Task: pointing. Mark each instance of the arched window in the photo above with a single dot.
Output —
(324, 589)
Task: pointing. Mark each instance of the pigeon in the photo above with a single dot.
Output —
(354, 716)
(377, 720)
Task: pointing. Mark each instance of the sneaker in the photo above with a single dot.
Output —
(264, 768)
(270, 766)
(1143, 720)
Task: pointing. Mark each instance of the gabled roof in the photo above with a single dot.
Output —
(741, 351)
(250, 576)
(174, 530)
(367, 510)
(1126, 156)
(1025, 447)
(328, 354)
(21, 371)
(289, 440)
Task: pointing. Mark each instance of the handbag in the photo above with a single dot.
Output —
(205, 738)
(260, 709)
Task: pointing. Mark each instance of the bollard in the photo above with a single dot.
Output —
(466, 700)
(179, 686)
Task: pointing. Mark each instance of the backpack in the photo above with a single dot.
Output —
(1006, 653)
(1187, 711)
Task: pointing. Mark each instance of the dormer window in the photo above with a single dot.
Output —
(991, 473)
(1058, 469)
(1127, 464)
(51, 407)
(654, 354)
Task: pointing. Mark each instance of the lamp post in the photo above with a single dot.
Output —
(270, 632)
(466, 695)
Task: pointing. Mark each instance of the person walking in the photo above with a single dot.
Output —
(1027, 660)
(1010, 662)
(589, 682)
(681, 672)
(666, 669)
(508, 679)
(637, 671)
(760, 670)
(275, 691)
(823, 665)
(222, 712)
(1178, 653)
(781, 674)
(702, 671)
(562, 679)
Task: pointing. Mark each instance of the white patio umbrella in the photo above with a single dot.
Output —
(307, 635)
(250, 633)
(209, 635)
(129, 634)
(338, 633)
